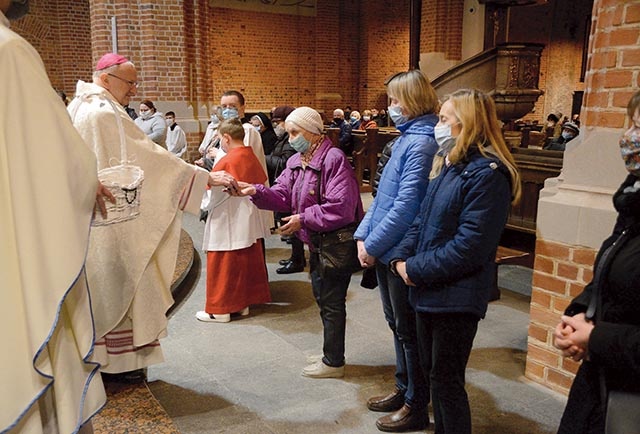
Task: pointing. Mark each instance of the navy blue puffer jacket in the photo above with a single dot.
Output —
(451, 246)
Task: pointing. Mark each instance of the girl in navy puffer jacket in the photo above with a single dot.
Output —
(448, 255)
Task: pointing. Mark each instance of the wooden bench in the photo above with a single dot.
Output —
(506, 255)
(367, 146)
(534, 167)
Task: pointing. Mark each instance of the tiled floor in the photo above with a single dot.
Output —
(244, 376)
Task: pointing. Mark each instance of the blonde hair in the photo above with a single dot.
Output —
(414, 91)
(233, 127)
(476, 113)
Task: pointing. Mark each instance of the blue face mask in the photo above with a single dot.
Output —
(229, 113)
(567, 135)
(300, 144)
(395, 112)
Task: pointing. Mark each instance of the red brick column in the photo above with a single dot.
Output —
(560, 273)
(575, 212)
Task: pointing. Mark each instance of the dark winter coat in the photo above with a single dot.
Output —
(614, 344)
(450, 249)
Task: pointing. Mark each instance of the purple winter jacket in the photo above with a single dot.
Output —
(295, 192)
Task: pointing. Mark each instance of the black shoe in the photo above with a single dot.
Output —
(284, 261)
(391, 402)
(130, 377)
(289, 268)
(405, 419)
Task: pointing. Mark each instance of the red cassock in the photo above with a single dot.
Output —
(238, 278)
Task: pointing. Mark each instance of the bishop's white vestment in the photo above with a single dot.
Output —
(130, 265)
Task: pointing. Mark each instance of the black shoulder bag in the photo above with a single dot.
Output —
(337, 250)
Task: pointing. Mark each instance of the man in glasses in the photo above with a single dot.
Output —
(130, 265)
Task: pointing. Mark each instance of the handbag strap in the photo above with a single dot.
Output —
(594, 310)
(319, 185)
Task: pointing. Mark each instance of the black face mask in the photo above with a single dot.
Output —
(17, 9)
(337, 120)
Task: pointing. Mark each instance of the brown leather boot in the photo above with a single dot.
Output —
(405, 419)
(391, 402)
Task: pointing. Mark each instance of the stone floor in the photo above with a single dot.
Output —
(244, 376)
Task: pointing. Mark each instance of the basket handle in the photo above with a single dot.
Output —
(123, 143)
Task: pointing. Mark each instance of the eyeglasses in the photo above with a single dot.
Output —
(129, 82)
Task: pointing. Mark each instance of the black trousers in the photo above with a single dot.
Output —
(444, 343)
(330, 292)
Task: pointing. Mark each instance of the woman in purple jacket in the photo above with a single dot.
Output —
(317, 165)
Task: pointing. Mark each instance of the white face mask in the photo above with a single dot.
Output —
(444, 139)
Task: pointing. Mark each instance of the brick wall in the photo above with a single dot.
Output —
(189, 53)
(560, 273)
(386, 25)
(561, 270)
(60, 31)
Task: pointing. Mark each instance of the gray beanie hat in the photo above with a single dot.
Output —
(307, 118)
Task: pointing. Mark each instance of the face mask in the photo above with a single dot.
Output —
(337, 120)
(257, 127)
(366, 118)
(17, 9)
(225, 145)
(279, 129)
(300, 144)
(353, 119)
(396, 115)
(630, 151)
(170, 122)
(442, 134)
(567, 135)
(145, 115)
(229, 113)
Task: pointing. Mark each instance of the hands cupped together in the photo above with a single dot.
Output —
(294, 224)
(571, 336)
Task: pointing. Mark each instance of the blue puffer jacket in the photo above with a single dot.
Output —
(401, 190)
(451, 246)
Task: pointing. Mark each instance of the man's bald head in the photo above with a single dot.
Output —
(120, 80)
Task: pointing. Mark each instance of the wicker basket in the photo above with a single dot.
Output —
(125, 183)
(123, 180)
